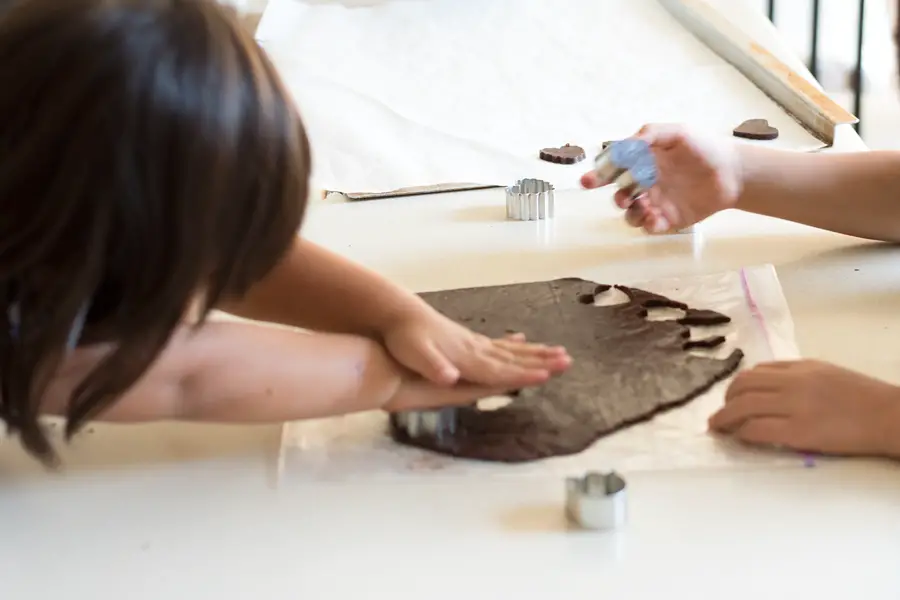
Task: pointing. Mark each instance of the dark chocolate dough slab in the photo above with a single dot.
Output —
(626, 368)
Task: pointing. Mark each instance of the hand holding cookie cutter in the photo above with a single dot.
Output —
(596, 501)
(630, 165)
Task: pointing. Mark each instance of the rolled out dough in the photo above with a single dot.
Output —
(626, 367)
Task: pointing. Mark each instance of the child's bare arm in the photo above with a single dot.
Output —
(852, 193)
(240, 372)
(317, 289)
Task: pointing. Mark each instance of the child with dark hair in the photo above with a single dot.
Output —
(804, 405)
(153, 169)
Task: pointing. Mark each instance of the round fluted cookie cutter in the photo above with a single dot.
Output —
(438, 423)
(597, 500)
(530, 200)
(629, 164)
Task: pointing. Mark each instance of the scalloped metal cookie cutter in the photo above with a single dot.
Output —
(597, 500)
(439, 423)
(530, 200)
(630, 165)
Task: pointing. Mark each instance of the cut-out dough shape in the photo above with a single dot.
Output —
(566, 155)
(756, 129)
(626, 368)
(701, 318)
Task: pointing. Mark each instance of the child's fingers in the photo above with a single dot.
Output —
(510, 362)
(623, 199)
(520, 348)
(655, 222)
(751, 382)
(773, 431)
(530, 356)
(592, 180)
(636, 215)
(511, 375)
(498, 367)
(737, 413)
(434, 366)
(646, 214)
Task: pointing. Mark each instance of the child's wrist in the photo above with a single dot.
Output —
(379, 378)
(744, 173)
(401, 312)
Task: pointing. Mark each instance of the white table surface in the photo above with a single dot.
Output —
(187, 511)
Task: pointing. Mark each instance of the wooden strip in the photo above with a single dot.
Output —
(793, 92)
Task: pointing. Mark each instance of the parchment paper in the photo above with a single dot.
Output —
(358, 447)
(427, 92)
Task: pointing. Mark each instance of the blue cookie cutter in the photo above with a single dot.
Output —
(629, 164)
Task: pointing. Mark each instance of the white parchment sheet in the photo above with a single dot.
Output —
(358, 447)
(438, 91)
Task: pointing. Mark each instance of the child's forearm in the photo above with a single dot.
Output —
(856, 194)
(887, 431)
(237, 372)
(317, 289)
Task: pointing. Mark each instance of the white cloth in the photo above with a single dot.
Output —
(428, 92)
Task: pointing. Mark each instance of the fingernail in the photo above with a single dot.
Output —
(660, 225)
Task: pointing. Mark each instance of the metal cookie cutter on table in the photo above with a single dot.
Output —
(530, 200)
(630, 165)
(597, 500)
(440, 423)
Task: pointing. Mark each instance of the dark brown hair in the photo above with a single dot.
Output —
(149, 155)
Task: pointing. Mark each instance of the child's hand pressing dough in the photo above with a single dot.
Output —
(445, 353)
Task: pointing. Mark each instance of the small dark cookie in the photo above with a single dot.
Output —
(565, 155)
(756, 129)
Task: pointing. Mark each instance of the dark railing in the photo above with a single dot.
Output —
(857, 77)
